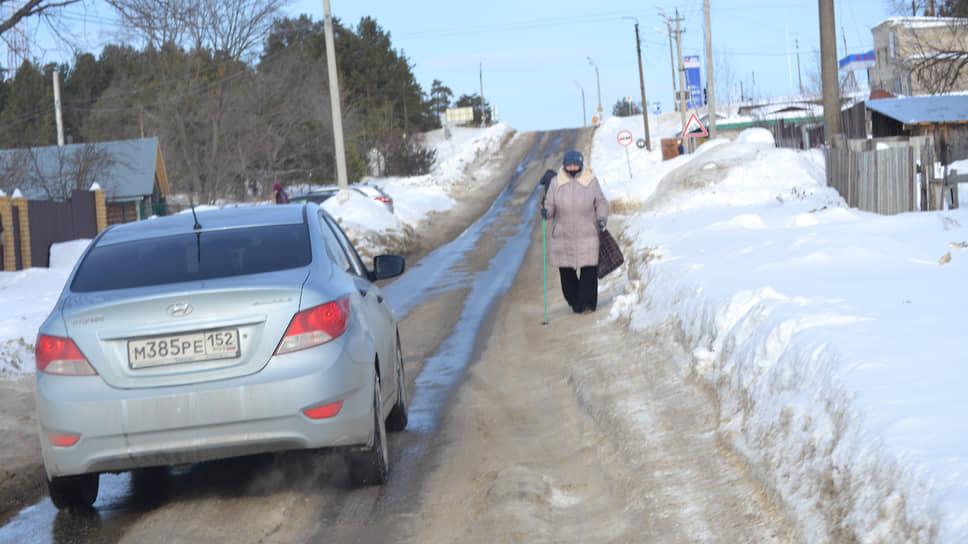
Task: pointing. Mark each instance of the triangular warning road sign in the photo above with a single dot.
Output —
(694, 128)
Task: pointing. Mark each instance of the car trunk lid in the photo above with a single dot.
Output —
(184, 333)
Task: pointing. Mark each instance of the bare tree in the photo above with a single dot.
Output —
(271, 122)
(14, 166)
(940, 60)
(60, 171)
(27, 8)
(218, 36)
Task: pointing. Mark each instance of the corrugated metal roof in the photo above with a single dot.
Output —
(912, 110)
(130, 170)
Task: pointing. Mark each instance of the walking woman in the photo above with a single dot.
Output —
(578, 210)
(281, 196)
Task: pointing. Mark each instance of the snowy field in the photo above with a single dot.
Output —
(833, 338)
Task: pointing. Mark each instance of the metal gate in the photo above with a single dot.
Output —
(52, 222)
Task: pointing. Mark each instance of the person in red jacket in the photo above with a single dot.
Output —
(281, 196)
(577, 209)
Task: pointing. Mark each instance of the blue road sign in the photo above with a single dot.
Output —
(693, 80)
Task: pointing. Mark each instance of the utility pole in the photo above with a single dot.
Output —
(57, 110)
(828, 58)
(799, 77)
(710, 87)
(672, 60)
(483, 113)
(334, 101)
(682, 73)
(645, 105)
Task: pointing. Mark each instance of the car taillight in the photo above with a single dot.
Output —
(324, 411)
(56, 355)
(63, 440)
(316, 326)
(383, 199)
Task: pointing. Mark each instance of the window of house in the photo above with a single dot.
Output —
(893, 51)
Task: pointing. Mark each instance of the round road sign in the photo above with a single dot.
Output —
(624, 137)
(640, 143)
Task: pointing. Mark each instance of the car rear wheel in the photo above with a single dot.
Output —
(78, 491)
(370, 466)
(397, 421)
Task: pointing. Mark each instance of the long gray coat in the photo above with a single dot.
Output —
(574, 206)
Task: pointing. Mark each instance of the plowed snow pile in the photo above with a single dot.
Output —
(832, 338)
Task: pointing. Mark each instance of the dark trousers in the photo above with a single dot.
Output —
(581, 293)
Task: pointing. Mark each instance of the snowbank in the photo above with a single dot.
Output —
(26, 297)
(414, 198)
(832, 338)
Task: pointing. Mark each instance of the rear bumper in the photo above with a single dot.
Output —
(126, 429)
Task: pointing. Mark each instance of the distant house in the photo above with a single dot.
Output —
(130, 172)
(919, 55)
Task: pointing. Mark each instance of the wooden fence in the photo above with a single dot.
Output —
(883, 175)
(798, 135)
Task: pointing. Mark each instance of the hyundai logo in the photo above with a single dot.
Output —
(179, 309)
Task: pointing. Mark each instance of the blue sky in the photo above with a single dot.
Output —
(534, 54)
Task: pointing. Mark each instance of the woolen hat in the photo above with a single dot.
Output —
(573, 157)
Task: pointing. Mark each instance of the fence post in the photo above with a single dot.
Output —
(25, 254)
(6, 231)
(100, 210)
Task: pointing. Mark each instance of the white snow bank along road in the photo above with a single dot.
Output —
(834, 338)
(374, 230)
(26, 297)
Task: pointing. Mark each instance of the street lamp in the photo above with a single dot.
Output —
(645, 107)
(598, 85)
(584, 118)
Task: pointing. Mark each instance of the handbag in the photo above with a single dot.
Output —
(609, 255)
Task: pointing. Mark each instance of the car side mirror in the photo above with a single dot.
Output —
(388, 266)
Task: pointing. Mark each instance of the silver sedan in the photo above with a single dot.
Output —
(231, 332)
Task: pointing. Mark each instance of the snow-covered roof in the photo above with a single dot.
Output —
(790, 110)
(923, 109)
(923, 22)
(936, 55)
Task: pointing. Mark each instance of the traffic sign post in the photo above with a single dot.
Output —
(694, 128)
(625, 139)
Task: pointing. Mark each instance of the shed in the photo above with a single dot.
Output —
(944, 117)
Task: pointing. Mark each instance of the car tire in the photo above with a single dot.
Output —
(370, 466)
(78, 491)
(397, 421)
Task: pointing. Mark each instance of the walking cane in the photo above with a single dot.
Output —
(544, 266)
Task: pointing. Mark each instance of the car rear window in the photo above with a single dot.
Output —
(195, 256)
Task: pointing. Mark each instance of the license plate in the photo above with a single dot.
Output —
(183, 348)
